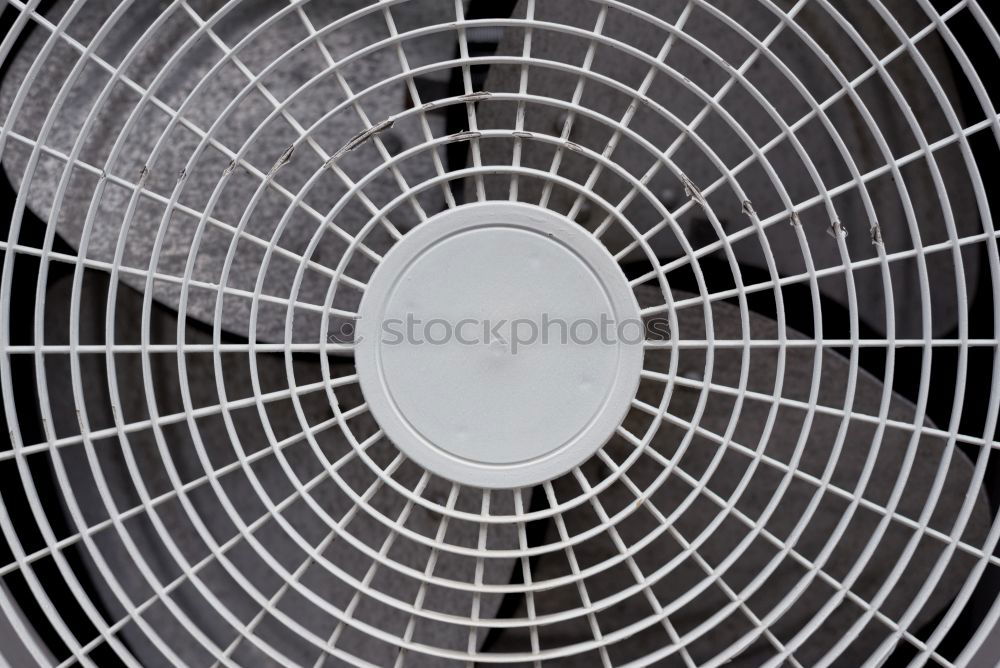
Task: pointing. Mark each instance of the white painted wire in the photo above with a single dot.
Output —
(472, 535)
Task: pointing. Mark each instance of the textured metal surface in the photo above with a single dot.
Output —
(711, 41)
(218, 103)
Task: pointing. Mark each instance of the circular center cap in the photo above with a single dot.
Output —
(499, 345)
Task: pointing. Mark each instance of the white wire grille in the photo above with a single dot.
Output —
(201, 190)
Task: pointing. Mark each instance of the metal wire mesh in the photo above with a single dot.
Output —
(202, 189)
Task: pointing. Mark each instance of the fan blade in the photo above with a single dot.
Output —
(221, 143)
(700, 128)
(720, 464)
(253, 471)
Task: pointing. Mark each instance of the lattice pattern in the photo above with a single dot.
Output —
(202, 188)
